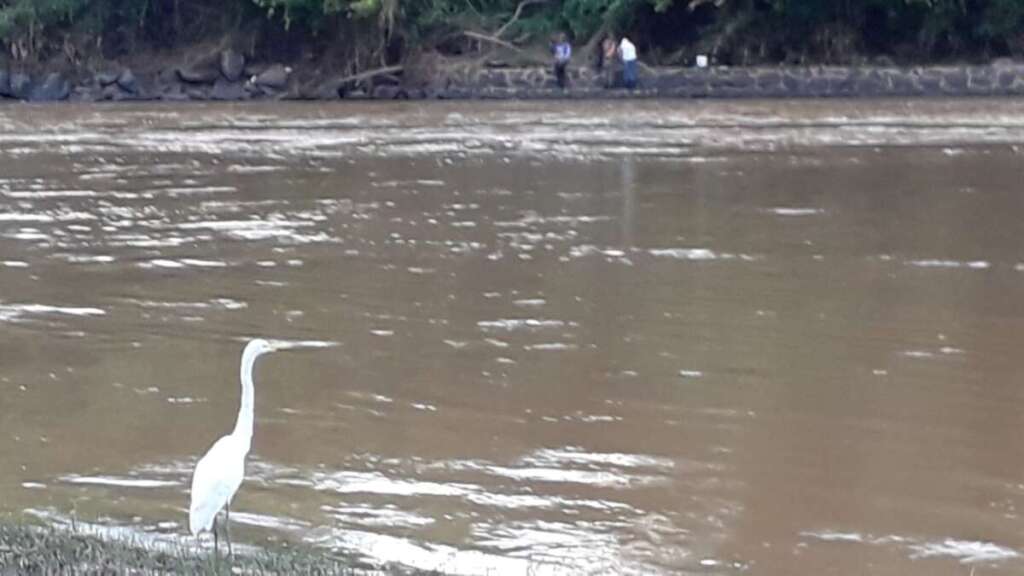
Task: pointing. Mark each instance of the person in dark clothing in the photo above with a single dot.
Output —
(608, 50)
(563, 52)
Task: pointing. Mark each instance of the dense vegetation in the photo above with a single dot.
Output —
(386, 31)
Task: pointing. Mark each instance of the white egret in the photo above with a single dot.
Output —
(219, 473)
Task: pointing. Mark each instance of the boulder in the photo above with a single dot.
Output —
(224, 90)
(106, 78)
(389, 92)
(198, 74)
(113, 93)
(21, 85)
(85, 93)
(275, 77)
(54, 88)
(128, 82)
(232, 65)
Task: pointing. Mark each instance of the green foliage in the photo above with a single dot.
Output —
(771, 30)
(19, 16)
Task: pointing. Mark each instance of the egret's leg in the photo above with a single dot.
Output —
(216, 547)
(227, 528)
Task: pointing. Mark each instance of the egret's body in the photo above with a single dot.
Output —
(220, 471)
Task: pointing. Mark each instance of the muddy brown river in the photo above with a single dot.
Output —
(542, 338)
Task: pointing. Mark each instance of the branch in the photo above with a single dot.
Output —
(492, 39)
(515, 15)
(368, 74)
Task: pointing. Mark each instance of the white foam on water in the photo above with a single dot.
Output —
(85, 258)
(254, 169)
(572, 455)
(265, 521)
(385, 549)
(697, 254)
(350, 482)
(373, 516)
(182, 263)
(185, 400)
(286, 344)
(781, 211)
(8, 311)
(41, 194)
(966, 551)
(21, 217)
(552, 346)
(189, 190)
(530, 302)
(118, 481)
(519, 323)
(934, 263)
(834, 536)
(603, 478)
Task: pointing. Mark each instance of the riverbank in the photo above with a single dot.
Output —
(228, 76)
(34, 549)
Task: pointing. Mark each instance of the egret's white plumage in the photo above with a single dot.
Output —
(220, 471)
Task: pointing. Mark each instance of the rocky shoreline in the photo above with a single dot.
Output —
(226, 76)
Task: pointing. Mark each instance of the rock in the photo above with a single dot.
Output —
(85, 93)
(198, 93)
(224, 90)
(1005, 79)
(106, 78)
(128, 82)
(232, 64)
(904, 84)
(5, 83)
(21, 85)
(113, 93)
(173, 93)
(275, 77)
(981, 80)
(416, 94)
(954, 81)
(870, 84)
(389, 92)
(198, 74)
(55, 88)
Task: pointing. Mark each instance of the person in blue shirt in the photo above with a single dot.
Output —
(563, 52)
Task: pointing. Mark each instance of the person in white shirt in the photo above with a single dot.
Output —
(627, 53)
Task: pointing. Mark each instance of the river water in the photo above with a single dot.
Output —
(543, 338)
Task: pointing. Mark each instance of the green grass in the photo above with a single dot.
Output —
(33, 549)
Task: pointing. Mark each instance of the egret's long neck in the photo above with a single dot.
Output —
(243, 426)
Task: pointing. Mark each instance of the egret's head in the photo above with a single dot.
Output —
(257, 347)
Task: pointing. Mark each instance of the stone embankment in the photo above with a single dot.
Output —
(227, 76)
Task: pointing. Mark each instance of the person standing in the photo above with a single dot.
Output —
(627, 53)
(563, 52)
(608, 48)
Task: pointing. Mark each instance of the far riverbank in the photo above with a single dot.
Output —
(227, 76)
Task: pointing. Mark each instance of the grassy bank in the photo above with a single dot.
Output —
(34, 549)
